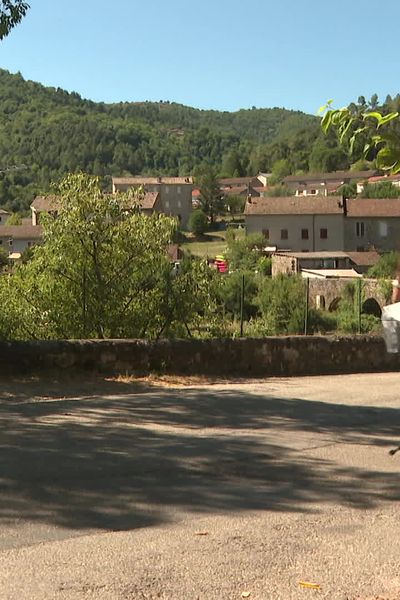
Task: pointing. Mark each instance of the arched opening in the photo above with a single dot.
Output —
(320, 302)
(371, 307)
(334, 305)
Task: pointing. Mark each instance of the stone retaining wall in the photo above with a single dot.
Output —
(273, 356)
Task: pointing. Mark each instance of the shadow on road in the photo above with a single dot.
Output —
(116, 461)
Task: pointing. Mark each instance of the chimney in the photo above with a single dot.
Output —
(344, 205)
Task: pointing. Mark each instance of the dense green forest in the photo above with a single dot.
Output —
(50, 132)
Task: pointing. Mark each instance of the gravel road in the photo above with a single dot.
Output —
(121, 490)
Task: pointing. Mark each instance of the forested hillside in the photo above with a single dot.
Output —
(52, 132)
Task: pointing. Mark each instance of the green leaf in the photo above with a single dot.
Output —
(326, 121)
(387, 118)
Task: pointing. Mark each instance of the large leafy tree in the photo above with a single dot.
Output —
(211, 197)
(103, 271)
(98, 272)
(11, 13)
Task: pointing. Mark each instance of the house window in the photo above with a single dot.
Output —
(1, 242)
(360, 229)
(313, 192)
(179, 203)
(167, 204)
(284, 234)
(166, 189)
(178, 189)
(265, 233)
(323, 233)
(293, 265)
(383, 229)
(304, 234)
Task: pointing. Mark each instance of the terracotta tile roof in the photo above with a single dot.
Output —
(335, 176)
(21, 232)
(149, 200)
(365, 259)
(313, 255)
(237, 181)
(234, 191)
(294, 205)
(46, 203)
(380, 178)
(139, 180)
(174, 252)
(372, 207)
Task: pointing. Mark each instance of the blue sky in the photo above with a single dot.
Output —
(223, 54)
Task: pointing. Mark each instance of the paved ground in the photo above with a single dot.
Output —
(121, 490)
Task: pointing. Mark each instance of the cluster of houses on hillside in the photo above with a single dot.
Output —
(309, 231)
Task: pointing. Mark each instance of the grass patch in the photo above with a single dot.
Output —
(208, 245)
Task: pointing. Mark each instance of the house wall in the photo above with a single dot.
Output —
(4, 219)
(291, 264)
(294, 225)
(175, 200)
(374, 229)
(16, 246)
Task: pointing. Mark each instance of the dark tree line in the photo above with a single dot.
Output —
(52, 132)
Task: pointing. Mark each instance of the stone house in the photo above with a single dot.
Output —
(337, 263)
(14, 239)
(314, 184)
(173, 195)
(326, 223)
(295, 223)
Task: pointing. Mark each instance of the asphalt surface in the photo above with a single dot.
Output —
(122, 490)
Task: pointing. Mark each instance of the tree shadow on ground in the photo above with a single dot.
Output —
(125, 459)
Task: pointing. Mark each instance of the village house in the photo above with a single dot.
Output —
(14, 239)
(324, 264)
(323, 184)
(321, 223)
(171, 195)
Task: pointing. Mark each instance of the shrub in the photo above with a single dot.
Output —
(198, 222)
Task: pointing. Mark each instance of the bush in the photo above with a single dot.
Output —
(198, 222)
(230, 292)
(282, 304)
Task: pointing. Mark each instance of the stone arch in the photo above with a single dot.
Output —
(334, 305)
(371, 307)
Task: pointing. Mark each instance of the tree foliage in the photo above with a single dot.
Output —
(198, 222)
(245, 253)
(211, 199)
(11, 13)
(53, 132)
(103, 271)
(366, 132)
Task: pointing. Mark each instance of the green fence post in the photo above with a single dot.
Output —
(241, 305)
(306, 309)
